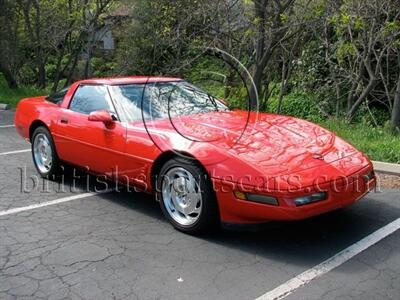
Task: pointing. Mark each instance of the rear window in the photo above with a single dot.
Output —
(57, 97)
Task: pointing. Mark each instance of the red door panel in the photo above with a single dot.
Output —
(90, 144)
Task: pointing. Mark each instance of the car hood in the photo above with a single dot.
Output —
(262, 144)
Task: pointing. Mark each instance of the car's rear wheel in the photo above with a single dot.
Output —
(186, 196)
(44, 153)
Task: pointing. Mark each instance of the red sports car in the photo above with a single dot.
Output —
(206, 164)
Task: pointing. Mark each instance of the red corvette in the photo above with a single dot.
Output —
(206, 164)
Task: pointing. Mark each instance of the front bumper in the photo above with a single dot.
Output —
(340, 193)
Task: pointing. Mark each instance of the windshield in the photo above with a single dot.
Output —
(163, 100)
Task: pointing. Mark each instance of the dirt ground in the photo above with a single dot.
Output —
(388, 181)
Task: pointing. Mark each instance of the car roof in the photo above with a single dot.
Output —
(128, 80)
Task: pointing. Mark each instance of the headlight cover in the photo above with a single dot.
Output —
(304, 200)
(264, 199)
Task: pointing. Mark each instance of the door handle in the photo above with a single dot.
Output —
(64, 120)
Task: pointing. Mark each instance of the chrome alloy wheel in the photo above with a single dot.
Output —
(42, 153)
(182, 196)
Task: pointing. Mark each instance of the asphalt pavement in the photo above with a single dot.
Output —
(117, 245)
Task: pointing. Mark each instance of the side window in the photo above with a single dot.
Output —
(129, 100)
(89, 98)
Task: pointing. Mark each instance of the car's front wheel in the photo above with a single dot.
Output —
(186, 196)
(44, 153)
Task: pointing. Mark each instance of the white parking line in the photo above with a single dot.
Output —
(15, 152)
(304, 278)
(6, 126)
(48, 203)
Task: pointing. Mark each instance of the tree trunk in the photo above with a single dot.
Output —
(40, 55)
(88, 68)
(259, 66)
(41, 82)
(229, 83)
(34, 35)
(72, 70)
(283, 87)
(57, 75)
(327, 41)
(255, 89)
(353, 89)
(266, 47)
(87, 72)
(350, 96)
(9, 77)
(395, 119)
(371, 85)
(337, 90)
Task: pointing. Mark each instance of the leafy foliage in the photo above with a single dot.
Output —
(12, 96)
(376, 142)
(299, 105)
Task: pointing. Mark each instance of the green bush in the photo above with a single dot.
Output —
(12, 96)
(298, 105)
(372, 116)
(377, 143)
(102, 67)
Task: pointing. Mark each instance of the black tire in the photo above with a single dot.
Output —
(208, 218)
(55, 168)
